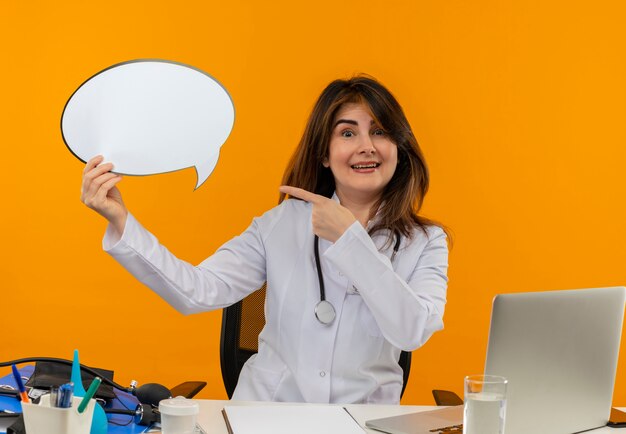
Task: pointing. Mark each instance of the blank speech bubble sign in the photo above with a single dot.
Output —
(148, 117)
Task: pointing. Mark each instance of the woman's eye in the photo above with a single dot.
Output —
(347, 133)
(379, 132)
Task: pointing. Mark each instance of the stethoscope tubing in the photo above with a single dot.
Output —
(324, 310)
(320, 275)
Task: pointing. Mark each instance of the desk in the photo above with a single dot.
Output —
(212, 421)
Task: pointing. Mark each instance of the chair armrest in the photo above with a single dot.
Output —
(188, 389)
(446, 397)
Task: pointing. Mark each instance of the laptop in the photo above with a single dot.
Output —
(559, 351)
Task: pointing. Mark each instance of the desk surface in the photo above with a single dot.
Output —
(211, 419)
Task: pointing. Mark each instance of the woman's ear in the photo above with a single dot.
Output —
(325, 162)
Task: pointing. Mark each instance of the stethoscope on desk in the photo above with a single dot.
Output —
(324, 310)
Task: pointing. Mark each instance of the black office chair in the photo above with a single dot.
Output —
(241, 325)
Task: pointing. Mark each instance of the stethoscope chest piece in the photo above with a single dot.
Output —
(325, 312)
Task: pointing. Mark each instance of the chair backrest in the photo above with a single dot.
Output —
(241, 324)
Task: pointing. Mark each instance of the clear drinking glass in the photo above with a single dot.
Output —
(485, 404)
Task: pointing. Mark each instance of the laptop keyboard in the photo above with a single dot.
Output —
(452, 429)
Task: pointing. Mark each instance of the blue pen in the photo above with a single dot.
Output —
(64, 398)
(20, 384)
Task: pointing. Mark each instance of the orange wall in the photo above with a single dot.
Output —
(519, 107)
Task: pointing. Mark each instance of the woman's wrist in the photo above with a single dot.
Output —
(119, 223)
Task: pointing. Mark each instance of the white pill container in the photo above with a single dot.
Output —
(178, 415)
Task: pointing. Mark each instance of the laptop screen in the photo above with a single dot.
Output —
(559, 351)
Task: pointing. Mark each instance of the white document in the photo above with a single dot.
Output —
(290, 419)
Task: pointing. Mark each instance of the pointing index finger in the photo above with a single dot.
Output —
(301, 194)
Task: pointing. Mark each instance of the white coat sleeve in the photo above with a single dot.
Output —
(407, 311)
(231, 273)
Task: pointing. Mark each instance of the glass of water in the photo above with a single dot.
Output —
(485, 404)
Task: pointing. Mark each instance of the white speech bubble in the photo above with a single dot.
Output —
(149, 117)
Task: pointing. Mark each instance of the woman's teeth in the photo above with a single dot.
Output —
(365, 166)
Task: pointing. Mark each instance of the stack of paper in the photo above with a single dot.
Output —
(290, 419)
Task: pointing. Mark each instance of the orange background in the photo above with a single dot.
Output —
(519, 107)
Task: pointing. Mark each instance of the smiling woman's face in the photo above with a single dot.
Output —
(361, 157)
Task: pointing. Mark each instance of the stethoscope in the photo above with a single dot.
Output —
(324, 310)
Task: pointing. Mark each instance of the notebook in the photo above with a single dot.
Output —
(559, 351)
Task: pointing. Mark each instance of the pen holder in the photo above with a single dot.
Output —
(43, 419)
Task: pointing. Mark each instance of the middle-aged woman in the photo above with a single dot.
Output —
(356, 182)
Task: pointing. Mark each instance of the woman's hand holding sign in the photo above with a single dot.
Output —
(330, 220)
(99, 192)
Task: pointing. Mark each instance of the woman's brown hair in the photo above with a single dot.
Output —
(403, 196)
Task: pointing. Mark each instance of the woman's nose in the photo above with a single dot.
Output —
(366, 145)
